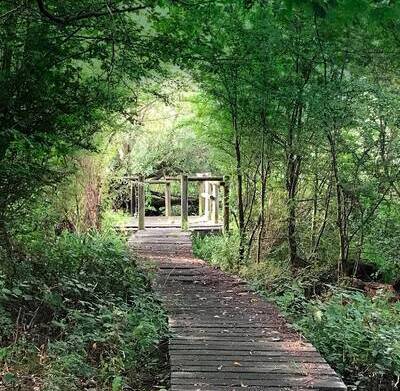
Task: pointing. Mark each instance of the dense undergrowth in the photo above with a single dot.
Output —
(77, 314)
(356, 333)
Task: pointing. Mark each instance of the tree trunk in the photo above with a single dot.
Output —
(264, 175)
(341, 216)
(314, 212)
(293, 172)
(318, 236)
(292, 178)
(239, 177)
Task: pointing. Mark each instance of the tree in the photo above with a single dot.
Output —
(63, 68)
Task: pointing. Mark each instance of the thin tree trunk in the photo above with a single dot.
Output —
(341, 216)
(293, 169)
(239, 177)
(314, 211)
(321, 230)
(264, 175)
(6, 66)
(292, 178)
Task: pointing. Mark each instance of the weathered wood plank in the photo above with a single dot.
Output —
(274, 380)
(229, 388)
(250, 370)
(242, 360)
(211, 339)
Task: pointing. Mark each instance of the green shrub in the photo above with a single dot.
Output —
(85, 315)
(219, 250)
(110, 219)
(359, 335)
(382, 245)
(268, 274)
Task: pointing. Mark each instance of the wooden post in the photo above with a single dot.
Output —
(132, 206)
(184, 202)
(215, 203)
(141, 202)
(207, 200)
(226, 204)
(136, 199)
(168, 208)
(201, 199)
(201, 191)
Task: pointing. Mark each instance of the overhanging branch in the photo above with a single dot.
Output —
(64, 20)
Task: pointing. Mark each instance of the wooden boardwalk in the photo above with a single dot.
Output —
(195, 223)
(224, 336)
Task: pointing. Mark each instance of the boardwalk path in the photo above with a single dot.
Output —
(225, 337)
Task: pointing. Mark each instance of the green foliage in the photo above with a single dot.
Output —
(291, 95)
(219, 250)
(65, 69)
(164, 142)
(268, 274)
(85, 315)
(358, 334)
(110, 219)
(382, 246)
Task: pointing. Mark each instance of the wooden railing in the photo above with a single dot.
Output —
(209, 191)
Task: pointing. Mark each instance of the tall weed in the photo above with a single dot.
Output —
(79, 314)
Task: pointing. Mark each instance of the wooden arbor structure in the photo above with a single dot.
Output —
(209, 197)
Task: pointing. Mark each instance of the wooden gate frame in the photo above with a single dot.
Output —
(208, 197)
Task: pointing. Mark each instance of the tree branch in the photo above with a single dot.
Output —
(64, 20)
(10, 11)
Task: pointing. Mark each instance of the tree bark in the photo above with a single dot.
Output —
(318, 236)
(293, 172)
(292, 179)
(341, 215)
(314, 211)
(239, 177)
(264, 176)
